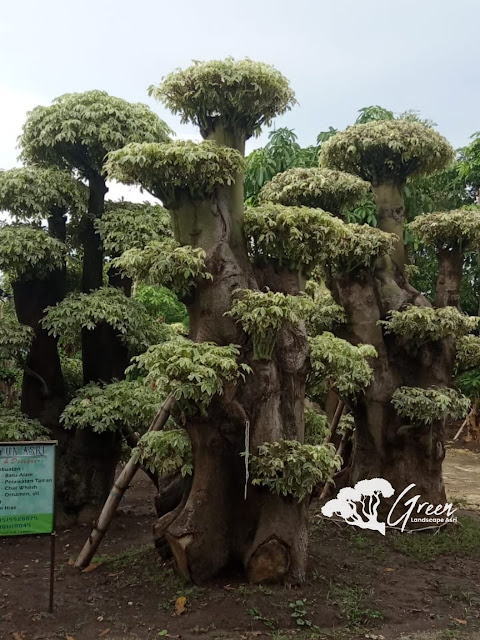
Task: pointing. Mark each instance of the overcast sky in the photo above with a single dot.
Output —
(339, 55)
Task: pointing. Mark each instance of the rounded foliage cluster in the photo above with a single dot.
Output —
(427, 324)
(173, 169)
(126, 316)
(128, 225)
(165, 452)
(35, 193)
(340, 365)
(468, 353)
(78, 129)
(446, 228)
(17, 427)
(192, 371)
(425, 406)
(289, 468)
(240, 95)
(325, 313)
(15, 338)
(28, 252)
(387, 150)
(261, 315)
(112, 407)
(295, 236)
(327, 189)
(165, 263)
(362, 247)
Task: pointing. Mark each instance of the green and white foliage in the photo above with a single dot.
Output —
(262, 315)
(425, 406)
(131, 225)
(424, 324)
(16, 427)
(165, 452)
(341, 365)
(289, 468)
(387, 150)
(325, 313)
(316, 427)
(28, 252)
(78, 129)
(176, 170)
(446, 228)
(363, 246)
(240, 95)
(15, 338)
(33, 193)
(294, 236)
(72, 374)
(116, 406)
(346, 424)
(468, 353)
(194, 372)
(327, 189)
(126, 316)
(165, 263)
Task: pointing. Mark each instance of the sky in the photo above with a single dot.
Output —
(339, 56)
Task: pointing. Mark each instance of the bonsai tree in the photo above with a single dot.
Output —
(75, 133)
(238, 388)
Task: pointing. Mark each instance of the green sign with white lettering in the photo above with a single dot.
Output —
(27, 488)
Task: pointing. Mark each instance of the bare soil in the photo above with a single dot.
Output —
(360, 584)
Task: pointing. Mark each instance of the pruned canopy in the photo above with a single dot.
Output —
(240, 95)
(446, 228)
(387, 150)
(169, 170)
(33, 193)
(78, 129)
(425, 324)
(28, 252)
(424, 406)
(327, 189)
(362, 247)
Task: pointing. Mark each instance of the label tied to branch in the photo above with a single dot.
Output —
(27, 487)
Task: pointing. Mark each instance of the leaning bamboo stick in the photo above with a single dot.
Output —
(335, 421)
(340, 450)
(117, 493)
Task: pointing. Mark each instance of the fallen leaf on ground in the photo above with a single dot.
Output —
(460, 621)
(71, 561)
(180, 605)
(389, 569)
(17, 636)
(91, 567)
(69, 638)
(104, 632)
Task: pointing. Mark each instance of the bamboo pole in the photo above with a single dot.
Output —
(340, 450)
(335, 421)
(117, 493)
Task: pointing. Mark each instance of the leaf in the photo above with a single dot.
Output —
(104, 632)
(389, 569)
(19, 636)
(180, 605)
(71, 562)
(460, 621)
(92, 567)
(67, 637)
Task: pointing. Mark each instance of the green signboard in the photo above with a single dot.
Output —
(27, 488)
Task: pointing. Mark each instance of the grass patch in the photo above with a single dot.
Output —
(462, 539)
(352, 602)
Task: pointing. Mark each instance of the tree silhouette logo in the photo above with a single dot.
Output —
(359, 505)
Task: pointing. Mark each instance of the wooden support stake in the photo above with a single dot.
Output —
(117, 493)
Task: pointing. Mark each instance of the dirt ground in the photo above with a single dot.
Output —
(360, 585)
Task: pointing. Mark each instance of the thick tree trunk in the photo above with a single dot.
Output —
(385, 446)
(217, 525)
(449, 278)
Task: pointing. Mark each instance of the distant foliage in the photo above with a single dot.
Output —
(387, 150)
(171, 170)
(468, 353)
(165, 452)
(289, 468)
(16, 427)
(165, 263)
(15, 338)
(327, 189)
(33, 193)
(28, 252)
(78, 129)
(113, 407)
(425, 406)
(240, 95)
(324, 314)
(425, 323)
(194, 372)
(262, 315)
(316, 427)
(107, 304)
(162, 303)
(343, 366)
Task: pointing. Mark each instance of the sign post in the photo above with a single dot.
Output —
(27, 493)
